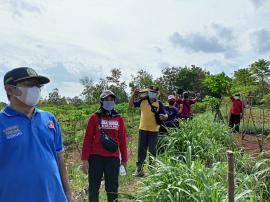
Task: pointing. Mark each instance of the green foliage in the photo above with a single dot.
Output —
(175, 181)
(244, 81)
(199, 107)
(244, 77)
(218, 84)
(55, 98)
(92, 91)
(266, 99)
(143, 79)
(197, 133)
(213, 102)
(2, 105)
(194, 167)
(186, 78)
(261, 71)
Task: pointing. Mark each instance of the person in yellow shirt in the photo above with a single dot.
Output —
(152, 114)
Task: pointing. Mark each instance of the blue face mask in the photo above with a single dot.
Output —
(108, 105)
(152, 94)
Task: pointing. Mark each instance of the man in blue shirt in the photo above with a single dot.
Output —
(32, 167)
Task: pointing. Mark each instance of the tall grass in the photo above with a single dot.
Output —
(208, 140)
(193, 167)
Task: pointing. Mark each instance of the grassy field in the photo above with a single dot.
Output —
(192, 168)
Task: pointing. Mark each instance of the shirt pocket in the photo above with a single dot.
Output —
(44, 133)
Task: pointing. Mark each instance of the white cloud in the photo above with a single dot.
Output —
(260, 40)
(69, 39)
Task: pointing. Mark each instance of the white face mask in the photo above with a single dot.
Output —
(237, 97)
(30, 95)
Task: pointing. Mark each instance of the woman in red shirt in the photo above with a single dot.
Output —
(97, 158)
(236, 112)
(186, 103)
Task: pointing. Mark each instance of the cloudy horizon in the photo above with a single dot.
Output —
(67, 40)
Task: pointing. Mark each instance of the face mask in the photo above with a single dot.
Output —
(152, 94)
(108, 105)
(171, 102)
(237, 97)
(30, 95)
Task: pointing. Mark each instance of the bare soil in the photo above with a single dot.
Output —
(250, 143)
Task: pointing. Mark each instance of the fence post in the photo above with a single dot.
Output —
(230, 176)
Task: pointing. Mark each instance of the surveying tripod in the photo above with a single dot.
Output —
(218, 115)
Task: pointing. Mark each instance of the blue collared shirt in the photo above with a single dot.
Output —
(28, 157)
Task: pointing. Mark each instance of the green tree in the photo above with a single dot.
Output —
(118, 87)
(55, 98)
(75, 101)
(261, 71)
(244, 81)
(92, 90)
(218, 84)
(143, 79)
(186, 78)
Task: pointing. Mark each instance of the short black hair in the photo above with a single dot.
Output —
(179, 91)
(185, 94)
(153, 88)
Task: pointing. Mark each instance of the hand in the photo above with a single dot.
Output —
(136, 92)
(85, 167)
(163, 117)
(124, 164)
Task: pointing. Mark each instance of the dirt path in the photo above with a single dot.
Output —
(250, 144)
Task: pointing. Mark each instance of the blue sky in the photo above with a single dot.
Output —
(67, 40)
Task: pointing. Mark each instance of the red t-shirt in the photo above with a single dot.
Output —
(186, 106)
(114, 127)
(236, 106)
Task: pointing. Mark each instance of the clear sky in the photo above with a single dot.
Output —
(67, 39)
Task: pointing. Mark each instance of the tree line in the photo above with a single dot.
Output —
(251, 81)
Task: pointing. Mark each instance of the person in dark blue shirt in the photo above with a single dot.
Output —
(32, 167)
(173, 115)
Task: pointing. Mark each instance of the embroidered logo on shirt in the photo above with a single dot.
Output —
(12, 131)
(50, 125)
(110, 124)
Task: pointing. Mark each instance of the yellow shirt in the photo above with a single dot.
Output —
(148, 120)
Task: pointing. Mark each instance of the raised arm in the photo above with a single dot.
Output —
(132, 98)
(197, 97)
